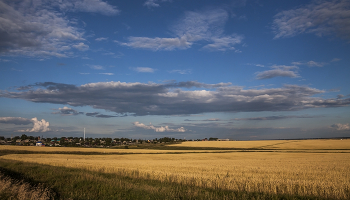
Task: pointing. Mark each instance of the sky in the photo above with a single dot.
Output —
(188, 69)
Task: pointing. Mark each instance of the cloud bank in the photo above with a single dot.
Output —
(38, 126)
(159, 129)
(171, 99)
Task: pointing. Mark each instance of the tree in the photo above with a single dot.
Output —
(24, 137)
(108, 141)
(63, 140)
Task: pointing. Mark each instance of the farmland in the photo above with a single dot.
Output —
(295, 169)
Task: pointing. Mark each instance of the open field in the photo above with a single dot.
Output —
(329, 144)
(92, 150)
(303, 174)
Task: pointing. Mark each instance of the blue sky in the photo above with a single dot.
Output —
(238, 69)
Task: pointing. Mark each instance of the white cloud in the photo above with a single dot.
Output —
(154, 3)
(101, 39)
(15, 120)
(93, 6)
(108, 74)
(310, 63)
(38, 126)
(341, 127)
(278, 71)
(97, 67)
(224, 43)
(205, 27)
(81, 46)
(335, 59)
(159, 129)
(67, 111)
(315, 64)
(157, 43)
(38, 29)
(144, 69)
(320, 17)
(181, 71)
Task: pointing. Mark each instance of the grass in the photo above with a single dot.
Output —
(12, 187)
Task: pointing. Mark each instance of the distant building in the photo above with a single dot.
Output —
(223, 139)
(39, 144)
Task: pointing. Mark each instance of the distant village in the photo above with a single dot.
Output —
(25, 140)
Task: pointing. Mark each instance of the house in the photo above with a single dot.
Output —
(39, 144)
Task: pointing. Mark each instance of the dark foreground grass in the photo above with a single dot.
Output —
(70, 183)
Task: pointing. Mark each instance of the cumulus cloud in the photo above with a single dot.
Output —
(41, 28)
(159, 129)
(202, 27)
(341, 127)
(320, 18)
(278, 70)
(38, 126)
(175, 98)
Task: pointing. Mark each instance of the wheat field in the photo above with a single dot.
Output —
(325, 175)
(330, 144)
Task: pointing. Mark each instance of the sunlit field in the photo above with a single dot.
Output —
(332, 144)
(309, 174)
(91, 150)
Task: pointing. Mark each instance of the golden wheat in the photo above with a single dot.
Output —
(329, 144)
(325, 175)
(93, 150)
